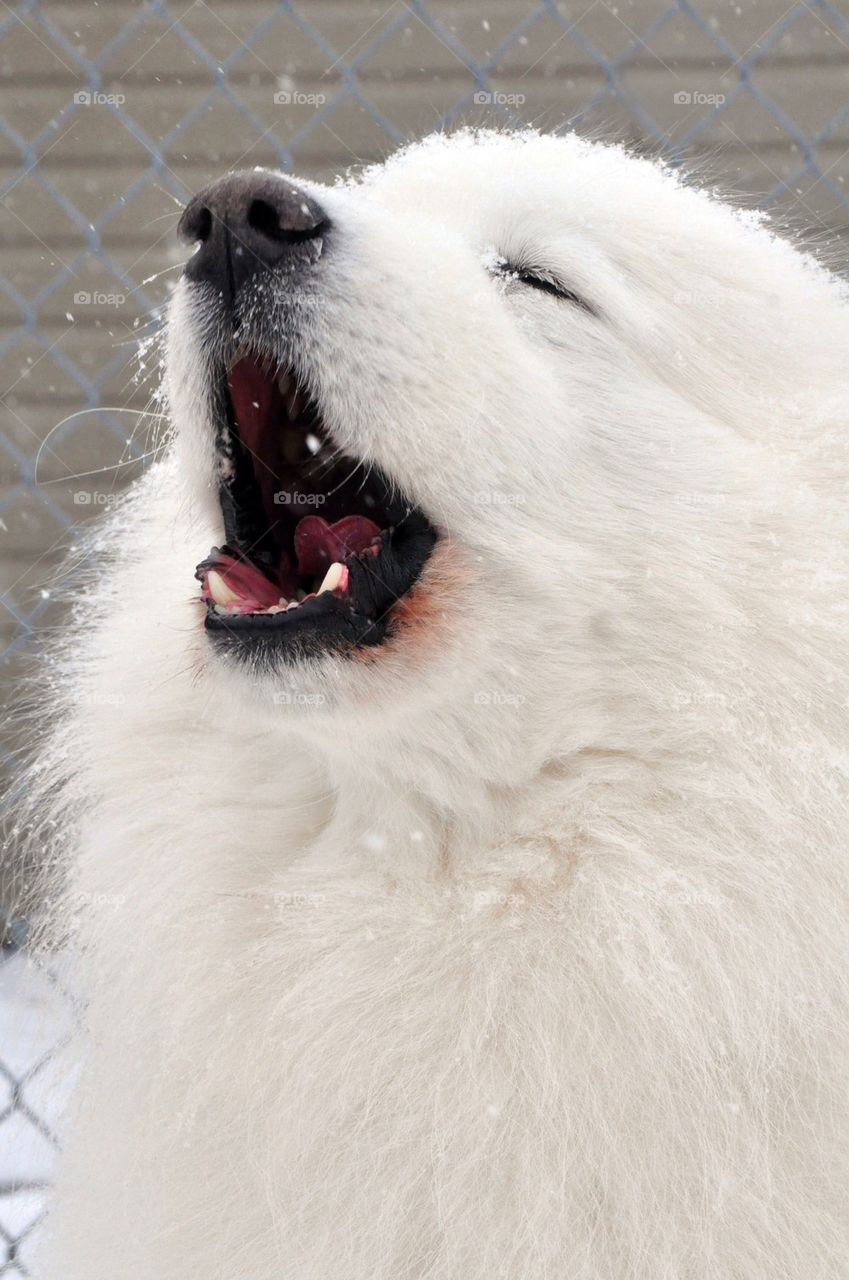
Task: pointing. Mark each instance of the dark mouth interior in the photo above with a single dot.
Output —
(318, 544)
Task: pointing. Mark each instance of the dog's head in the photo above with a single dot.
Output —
(471, 422)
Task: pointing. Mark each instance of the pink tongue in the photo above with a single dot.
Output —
(254, 590)
(318, 544)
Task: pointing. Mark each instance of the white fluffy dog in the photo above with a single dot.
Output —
(461, 868)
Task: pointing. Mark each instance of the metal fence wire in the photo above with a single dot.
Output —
(115, 113)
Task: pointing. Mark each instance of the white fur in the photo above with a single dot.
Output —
(521, 949)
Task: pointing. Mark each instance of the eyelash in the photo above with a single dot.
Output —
(546, 285)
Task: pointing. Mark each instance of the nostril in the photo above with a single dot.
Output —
(283, 223)
(196, 224)
(264, 218)
(202, 224)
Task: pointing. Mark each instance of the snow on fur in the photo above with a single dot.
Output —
(520, 952)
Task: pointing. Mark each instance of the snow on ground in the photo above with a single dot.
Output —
(36, 1017)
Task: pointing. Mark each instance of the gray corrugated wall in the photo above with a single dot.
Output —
(114, 111)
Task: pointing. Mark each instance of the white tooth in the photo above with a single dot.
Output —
(332, 578)
(293, 604)
(218, 589)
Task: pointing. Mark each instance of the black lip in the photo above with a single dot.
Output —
(330, 623)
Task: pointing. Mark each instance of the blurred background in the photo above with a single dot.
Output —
(115, 112)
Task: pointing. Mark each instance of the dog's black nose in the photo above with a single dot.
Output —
(245, 222)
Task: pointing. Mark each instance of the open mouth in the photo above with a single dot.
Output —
(318, 546)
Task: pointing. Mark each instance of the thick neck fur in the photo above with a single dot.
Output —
(517, 950)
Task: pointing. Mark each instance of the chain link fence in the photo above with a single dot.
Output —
(115, 114)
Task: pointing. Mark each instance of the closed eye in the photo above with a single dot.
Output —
(539, 278)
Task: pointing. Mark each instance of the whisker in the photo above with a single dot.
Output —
(113, 466)
(80, 413)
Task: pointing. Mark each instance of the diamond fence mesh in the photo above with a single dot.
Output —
(114, 114)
